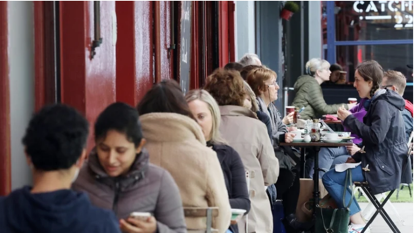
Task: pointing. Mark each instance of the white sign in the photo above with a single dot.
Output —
(387, 7)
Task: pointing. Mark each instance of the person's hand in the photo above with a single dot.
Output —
(352, 105)
(288, 119)
(132, 225)
(352, 149)
(289, 137)
(343, 113)
(350, 160)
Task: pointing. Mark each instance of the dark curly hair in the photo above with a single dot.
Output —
(226, 86)
(122, 118)
(55, 137)
(165, 96)
(371, 71)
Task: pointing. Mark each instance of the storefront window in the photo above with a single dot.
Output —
(373, 20)
(393, 57)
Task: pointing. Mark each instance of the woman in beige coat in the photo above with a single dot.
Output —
(176, 143)
(249, 137)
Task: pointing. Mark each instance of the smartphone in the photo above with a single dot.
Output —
(143, 216)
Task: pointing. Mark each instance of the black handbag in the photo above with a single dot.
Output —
(335, 220)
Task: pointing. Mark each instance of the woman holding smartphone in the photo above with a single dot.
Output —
(118, 176)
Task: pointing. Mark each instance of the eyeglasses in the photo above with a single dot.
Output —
(273, 84)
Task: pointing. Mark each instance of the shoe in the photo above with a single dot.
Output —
(358, 229)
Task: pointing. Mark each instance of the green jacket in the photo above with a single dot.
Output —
(308, 94)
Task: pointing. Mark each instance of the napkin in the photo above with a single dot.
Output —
(344, 166)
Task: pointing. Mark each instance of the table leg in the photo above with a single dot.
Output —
(302, 161)
(316, 193)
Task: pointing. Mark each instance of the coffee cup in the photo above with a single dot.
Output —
(297, 134)
(332, 136)
(289, 109)
(352, 100)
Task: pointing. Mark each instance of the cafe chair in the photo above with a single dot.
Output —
(364, 186)
(202, 212)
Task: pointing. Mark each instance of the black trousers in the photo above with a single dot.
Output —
(288, 189)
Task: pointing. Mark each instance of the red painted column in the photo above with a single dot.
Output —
(166, 58)
(134, 55)
(39, 54)
(126, 69)
(223, 33)
(87, 84)
(5, 150)
(231, 28)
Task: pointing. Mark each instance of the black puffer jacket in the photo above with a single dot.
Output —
(384, 141)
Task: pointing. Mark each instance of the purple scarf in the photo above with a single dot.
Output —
(359, 112)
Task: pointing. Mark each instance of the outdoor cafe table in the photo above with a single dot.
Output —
(317, 146)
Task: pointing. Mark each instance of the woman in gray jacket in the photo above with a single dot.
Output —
(118, 176)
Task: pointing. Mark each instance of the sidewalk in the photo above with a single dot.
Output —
(405, 210)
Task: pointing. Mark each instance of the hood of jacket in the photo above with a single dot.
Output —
(234, 110)
(391, 97)
(409, 107)
(61, 211)
(170, 127)
(137, 170)
(303, 80)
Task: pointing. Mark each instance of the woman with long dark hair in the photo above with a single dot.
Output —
(384, 146)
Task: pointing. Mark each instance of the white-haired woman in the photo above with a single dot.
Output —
(207, 114)
(308, 92)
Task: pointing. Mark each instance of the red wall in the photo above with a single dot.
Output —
(134, 50)
(5, 151)
(87, 84)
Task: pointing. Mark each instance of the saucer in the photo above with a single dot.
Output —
(332, 140)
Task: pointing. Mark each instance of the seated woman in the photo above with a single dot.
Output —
(118, 175)
(248, 136)
(308, 92)
(176, 143)
(206, 112)
(384, 145)
(263, 83)
(327, 156)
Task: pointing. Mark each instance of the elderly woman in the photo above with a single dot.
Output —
(206, 112)
(308, 92)
(176, 142)
(384, 145)
(263, 83)
(248, 136)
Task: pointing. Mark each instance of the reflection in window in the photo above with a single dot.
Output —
(390, 57)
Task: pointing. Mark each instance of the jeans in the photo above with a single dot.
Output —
(326, 157)
(334, 183)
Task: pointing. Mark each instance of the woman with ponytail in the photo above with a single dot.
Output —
(384, 145)
(308, 92)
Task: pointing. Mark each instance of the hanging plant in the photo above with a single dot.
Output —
(289, 9)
